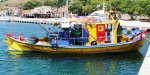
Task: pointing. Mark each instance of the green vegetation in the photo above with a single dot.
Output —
(35, 3)
(135, 7)
(50, 3)
(3, 0)
(143, 8)
(128, 6)
(31, 4)
(84, 7)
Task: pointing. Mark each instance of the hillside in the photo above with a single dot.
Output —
(4, 4)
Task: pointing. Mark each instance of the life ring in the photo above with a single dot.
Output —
(93, 43)
(54, 46)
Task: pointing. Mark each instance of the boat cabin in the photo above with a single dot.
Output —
(86, 34)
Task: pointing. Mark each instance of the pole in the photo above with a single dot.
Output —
(66, 9)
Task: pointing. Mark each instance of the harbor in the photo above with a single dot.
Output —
(32, 20)
(143, 55)
(109, 63)
(74, 37)
(52, 21)
(141, 69)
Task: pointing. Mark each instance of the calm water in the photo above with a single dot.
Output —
(36, 63)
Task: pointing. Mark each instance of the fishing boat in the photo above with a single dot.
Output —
(98, 33)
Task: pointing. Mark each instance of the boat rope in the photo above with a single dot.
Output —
(148, 40)
(49, 31)
(88, 37)
(43, 28)
(90, 34)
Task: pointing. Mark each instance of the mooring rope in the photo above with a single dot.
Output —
(148, 40)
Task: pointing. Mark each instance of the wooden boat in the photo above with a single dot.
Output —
(83, 38)
(15, 44)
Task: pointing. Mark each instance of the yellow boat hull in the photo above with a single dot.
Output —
(20, 46)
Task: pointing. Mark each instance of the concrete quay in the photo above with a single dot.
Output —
(145, 68)
(32, 20)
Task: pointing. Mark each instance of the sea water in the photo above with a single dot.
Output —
(38, 63)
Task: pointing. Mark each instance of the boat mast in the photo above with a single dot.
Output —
(66, 16)
(104, 7)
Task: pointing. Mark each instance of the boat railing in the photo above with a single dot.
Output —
(82, 41)
(85, 37)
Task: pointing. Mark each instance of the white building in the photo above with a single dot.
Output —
(45, 12)
(11, 11)
(42, 9)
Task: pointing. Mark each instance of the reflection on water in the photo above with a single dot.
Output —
(38, 63)
(93, 64)
(120, 56)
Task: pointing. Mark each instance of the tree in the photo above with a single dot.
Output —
(50, 2)
(128, 6)
(76, 7)
(31, 4)
(147, 8)
(84, 7)
(87, 9)
(3, 0)
(115, 5)
(61, 3)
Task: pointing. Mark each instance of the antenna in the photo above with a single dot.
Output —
(104, 7)
(66, 9)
